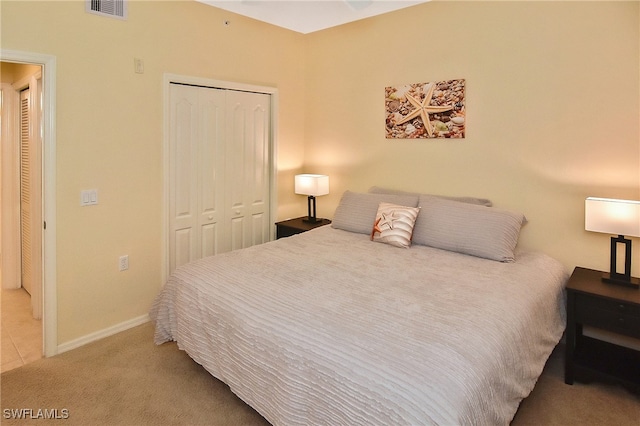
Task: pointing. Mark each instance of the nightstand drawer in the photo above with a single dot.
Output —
(610, 315)
(591, 302)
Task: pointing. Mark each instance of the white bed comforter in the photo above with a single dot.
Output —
(329, 328)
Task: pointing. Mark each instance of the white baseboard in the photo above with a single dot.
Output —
(76, 343)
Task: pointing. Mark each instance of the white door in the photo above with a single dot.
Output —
(30, 189)
(26, 253)
(10, 188)
(196, 171)
(218, 171)
(247, 165)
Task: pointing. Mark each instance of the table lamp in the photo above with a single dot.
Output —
(313, 186)
(618, 217)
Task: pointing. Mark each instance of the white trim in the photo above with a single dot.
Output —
(169, 78)
(109, 331)
(49, 289)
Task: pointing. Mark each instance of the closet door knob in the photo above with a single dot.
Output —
(210, 217)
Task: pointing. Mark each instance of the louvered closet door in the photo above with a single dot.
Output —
(196, 173)
(247, 164)
(26, 252)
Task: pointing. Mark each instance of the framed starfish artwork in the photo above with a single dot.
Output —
(426, 110)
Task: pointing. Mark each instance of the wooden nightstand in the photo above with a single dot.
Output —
(610, 307)
(290, 227)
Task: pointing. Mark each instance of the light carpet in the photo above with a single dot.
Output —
(127, 380)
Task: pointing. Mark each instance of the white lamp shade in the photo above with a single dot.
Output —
(309, 184)
(611, 216)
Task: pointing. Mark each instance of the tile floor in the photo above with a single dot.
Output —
(21, 339)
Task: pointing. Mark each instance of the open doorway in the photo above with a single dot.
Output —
(39, 73)
(21, 214)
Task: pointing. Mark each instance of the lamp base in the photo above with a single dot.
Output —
(633, 282)
(311, 219)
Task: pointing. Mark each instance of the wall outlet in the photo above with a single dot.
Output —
(123, 262)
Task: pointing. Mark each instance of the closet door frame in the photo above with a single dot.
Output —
(219, 84)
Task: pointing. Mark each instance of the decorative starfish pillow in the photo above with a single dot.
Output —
(394, 224)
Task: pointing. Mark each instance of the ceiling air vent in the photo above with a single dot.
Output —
(112, 8)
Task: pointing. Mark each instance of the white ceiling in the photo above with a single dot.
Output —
(306, 16)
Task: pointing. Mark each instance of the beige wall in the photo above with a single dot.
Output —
(553, 117)
(552, 110)
(110, 133)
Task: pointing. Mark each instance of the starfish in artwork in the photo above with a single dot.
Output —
(424, 109)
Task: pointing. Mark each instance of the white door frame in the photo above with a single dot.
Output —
(220, 84)
(49, 293)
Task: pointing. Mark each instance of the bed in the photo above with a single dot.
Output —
(337, 326)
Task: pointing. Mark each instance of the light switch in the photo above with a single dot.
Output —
(138, 65)
(88, 197)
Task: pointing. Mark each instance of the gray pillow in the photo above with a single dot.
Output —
(467, 228)
(470, 200)
(357, 211)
